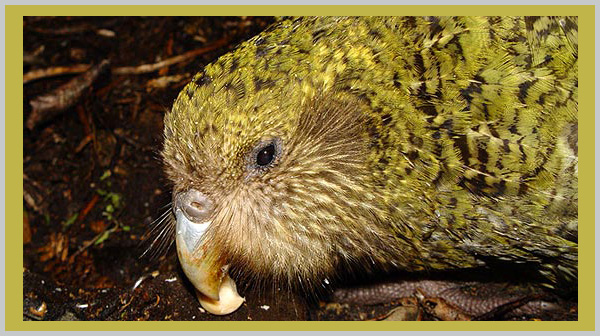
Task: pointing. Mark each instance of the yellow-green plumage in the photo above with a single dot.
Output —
(409, 142)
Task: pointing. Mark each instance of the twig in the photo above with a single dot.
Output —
(146, 68)
(92, 241)
(76, 29)
(87, 127)
(88, 207)
(73, 29)
(120, 133)
(31, 201)
(136, 106)
(34, 56)
(50, 105)
(54, 71)
(169, 53)
(31, 194)
(126, 305)
(26, 229)
(84, 143)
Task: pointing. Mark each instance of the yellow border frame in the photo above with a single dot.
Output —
(14, 167)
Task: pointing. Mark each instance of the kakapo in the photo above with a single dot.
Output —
(409, 143)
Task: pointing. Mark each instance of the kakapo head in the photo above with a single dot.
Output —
(281, 175)
(274, 147)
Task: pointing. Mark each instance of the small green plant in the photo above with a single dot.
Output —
(70, 220)
(114, 204)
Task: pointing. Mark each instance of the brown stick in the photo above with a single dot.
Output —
(48, 106)
(145, 68)
(86, 140)
(90, 242)
(54, 71)
(88, 208)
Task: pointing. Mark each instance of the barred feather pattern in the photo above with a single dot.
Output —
(407, 142)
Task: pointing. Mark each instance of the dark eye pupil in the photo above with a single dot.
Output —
(265, 155)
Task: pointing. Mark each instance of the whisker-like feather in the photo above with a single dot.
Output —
(159, 237)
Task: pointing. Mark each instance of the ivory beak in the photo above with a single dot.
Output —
(216, 291)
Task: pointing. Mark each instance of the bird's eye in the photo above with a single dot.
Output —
(265, 155)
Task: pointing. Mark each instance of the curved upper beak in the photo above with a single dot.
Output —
(203, 274)
(216, 291)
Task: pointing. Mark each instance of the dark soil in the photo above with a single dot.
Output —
(93, 180)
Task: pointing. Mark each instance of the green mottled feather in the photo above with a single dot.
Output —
(442, 142)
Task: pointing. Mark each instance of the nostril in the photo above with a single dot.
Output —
(196, 206)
